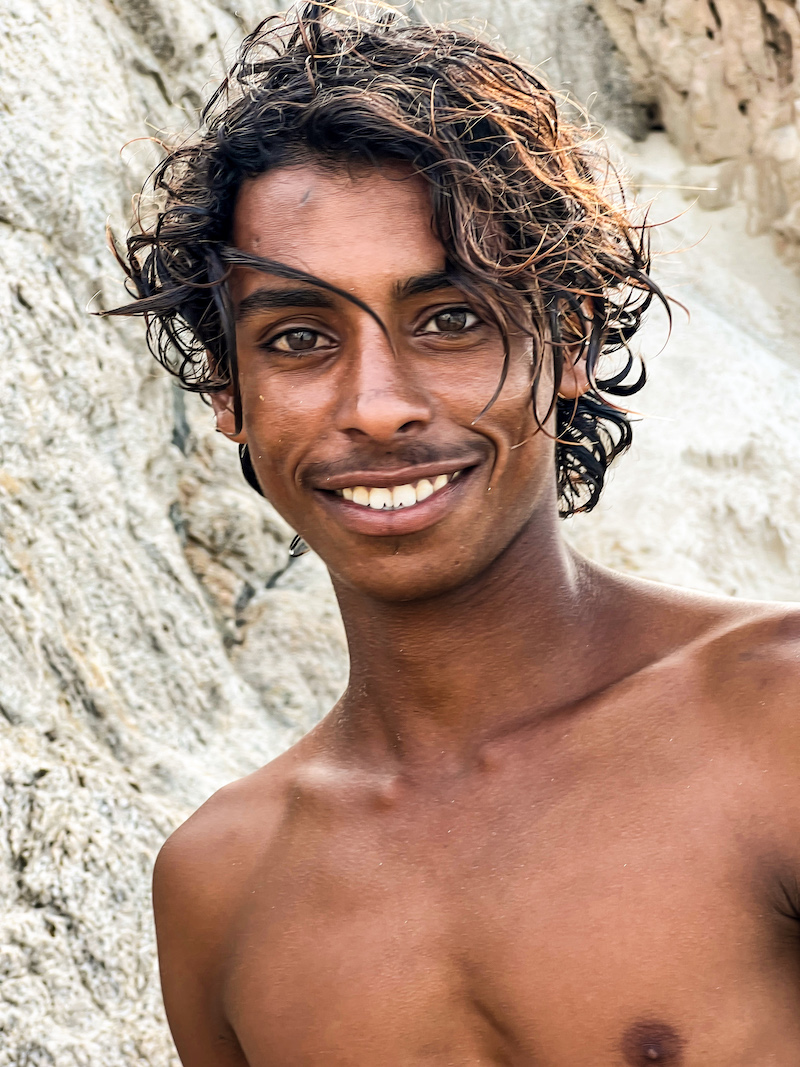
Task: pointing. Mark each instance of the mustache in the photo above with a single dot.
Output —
(407, 454)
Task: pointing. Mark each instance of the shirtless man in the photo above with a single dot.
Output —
(554, 820)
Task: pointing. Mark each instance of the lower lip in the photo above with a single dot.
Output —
(386, 523)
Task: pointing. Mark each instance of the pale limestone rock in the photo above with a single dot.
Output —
(293, 651)
(723, 73)
(708, 497)
(115, 687)
(567, 41)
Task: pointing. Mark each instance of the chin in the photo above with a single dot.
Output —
(397, 580)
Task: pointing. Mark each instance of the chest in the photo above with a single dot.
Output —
(544, 926)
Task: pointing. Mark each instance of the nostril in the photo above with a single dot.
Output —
(382, 414)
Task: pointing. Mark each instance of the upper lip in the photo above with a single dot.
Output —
(390, 477)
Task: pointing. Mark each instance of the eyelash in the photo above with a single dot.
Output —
(270, 344)
(449, 311)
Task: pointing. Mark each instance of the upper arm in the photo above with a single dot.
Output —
(191, 900)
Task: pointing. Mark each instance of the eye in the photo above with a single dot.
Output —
(297, 341)
(451, 320)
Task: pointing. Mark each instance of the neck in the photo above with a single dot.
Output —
(527, 636)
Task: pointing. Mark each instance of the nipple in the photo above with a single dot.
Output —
(652, 1042)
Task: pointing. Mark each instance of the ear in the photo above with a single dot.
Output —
(222, 403)
(575, 331)
(574, 379)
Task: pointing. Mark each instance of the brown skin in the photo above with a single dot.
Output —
(550, 820)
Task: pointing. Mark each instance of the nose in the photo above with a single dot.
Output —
(381, 397)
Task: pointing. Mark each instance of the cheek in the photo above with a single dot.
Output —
(524, 446)
(464, 383)
(280, 420)
(511, 419)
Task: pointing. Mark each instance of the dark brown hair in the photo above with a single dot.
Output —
(520, 200)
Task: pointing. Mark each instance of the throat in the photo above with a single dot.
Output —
(452, 670)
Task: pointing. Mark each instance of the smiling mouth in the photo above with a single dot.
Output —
(396, 497)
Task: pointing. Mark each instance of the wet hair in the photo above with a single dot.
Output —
(528, 209)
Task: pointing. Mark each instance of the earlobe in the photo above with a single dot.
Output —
(574, 379)
(574, 335)
(222, 403)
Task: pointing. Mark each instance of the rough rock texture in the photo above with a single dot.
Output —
(718, 75)
(723, 74)
(148, 652)
(119, 710)
(571, 45)
(708, 496)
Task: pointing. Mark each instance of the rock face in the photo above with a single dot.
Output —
(131, 552)
(718, 75)
(707, 498)
(722, 74)
(150, 648)
(569, 43)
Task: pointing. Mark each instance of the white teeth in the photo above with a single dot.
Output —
(404, 496)
(400, 496)
(380, 499)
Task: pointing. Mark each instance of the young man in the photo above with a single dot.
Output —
(554, 819)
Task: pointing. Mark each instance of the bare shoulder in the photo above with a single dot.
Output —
(202, 874)
(731, 638)
(746, 671)
(205, 863)
(754, 649)
(739, 660)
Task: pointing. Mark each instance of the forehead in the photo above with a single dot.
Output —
(357, 230)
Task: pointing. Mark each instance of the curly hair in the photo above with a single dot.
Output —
(531, 217)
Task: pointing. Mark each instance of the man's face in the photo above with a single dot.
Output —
(367, 444)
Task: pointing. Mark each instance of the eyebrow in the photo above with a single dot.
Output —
(423, 283)
(307, 297)
(276, 299)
